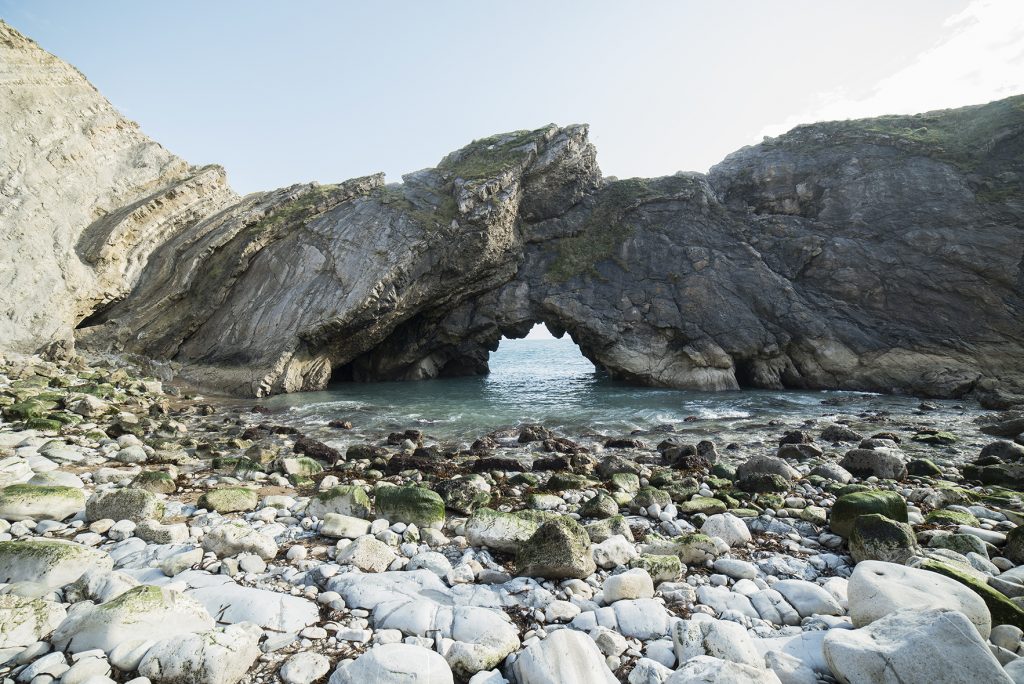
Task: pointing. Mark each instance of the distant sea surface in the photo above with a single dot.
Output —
(549, 382)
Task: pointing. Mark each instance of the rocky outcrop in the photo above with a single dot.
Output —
(84, 197)
(882, 254)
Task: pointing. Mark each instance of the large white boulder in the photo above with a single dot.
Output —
(220, 656)
(564, 657)
(877, 588)
(717, 638)
(40, 502)
(394, 664)
(304, 667)
(145, 612)
(24, 621)
(233, 538)
(710, 670)
(728, 528)
(913, 647)
(631, 584)
(808, 598)
(52, 562)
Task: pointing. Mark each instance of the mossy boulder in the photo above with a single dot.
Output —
(229, 499)
(876, 537)
(559, 549)
(691, 549)
(24, 621)
(503, 531)
(54, 563)
(647, 496)
(344, 499)
(600, 530)
(701, 504)
(661, 568)
(848, 507)
(26, 410)
(44, 424)
(961, 543)
(36, 502)
(464, 494)
(561, 481)
(599, 506)
(1014, 548)
(124, 504)
(301, 468)
(413, 505)
(155, 481)
(947, 517)
(1004, 611)
(923, 467)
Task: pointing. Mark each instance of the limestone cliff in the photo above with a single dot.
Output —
(84, 197)
(883, 254)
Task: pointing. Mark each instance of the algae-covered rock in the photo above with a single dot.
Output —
(155, 481)
(229, 499)
(947, 517)
(33, 502)
(876, 537)
(413, 505)
(701, 504)
(124, 504)
(600, 530)
(24, 621)
(599, 506)
(145, 612)
(646, 496)
(1003, 610)
(559, 549)
(51, 562)
(343, 499)
(502, 531)
(662, 568)
(464, 494)
(848, 507)
(233, 538)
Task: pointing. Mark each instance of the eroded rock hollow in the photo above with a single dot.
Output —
(882, 254)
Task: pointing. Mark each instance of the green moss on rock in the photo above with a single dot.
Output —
(413, 505)
(848, 507)
(229, 499)
(1004, 611)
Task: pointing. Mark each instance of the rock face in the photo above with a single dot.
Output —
(882, 254)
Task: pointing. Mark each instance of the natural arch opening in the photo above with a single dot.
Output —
(538, 356)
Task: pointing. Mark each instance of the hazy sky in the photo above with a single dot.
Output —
(286, 92)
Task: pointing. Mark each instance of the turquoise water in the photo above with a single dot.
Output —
(550, 382)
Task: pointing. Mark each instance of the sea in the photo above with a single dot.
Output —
(549, 382)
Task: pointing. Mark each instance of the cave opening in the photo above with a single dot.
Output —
(538, 356)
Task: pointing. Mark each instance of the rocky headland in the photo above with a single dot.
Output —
(150, 535)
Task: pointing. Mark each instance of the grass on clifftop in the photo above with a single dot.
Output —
(487, 157)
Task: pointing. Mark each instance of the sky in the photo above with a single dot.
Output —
(281, 93)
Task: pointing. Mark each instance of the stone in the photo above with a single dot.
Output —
(229, 499)
(559, 549)
(735, 568)
(502, 531)
(124, 504)
(913, 646)
(847, 507)
(412, 505)
(54, 563)
(631, 584)
(24, 621)
(728, 528)
(219, 656)
(613, 552)
(807, 598)
(876, 537)
(717, 638)
(705, 669)
(145, 612)
(832, 471)
(367, 554)
(99, 586)
(394, 664)
(599, 506)
(232, 603)
(877, 589)
(34, 502)
(155, 481)
(304, 667)
(348, 500)
(341, 526)
(564, 657)
(1003, 610)
(886, 464)
(233, 538)
(158, 533)
(464, 494)
(840, 433)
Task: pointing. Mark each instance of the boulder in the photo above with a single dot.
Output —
(631, 584)
(344, 500)
(341, 526)
(847, 507)
(54, 563)
(145, 612)
(304, 667)
(705, 669)
(877, 589)
(394, 664)
(502, 531)
(876, 537)
(124, 504)
(913, 646)
(34, 502)
(559, 549)
(807, 598)
(367, 554)
(564, 657)
(24, 621)
(717, 638)
(229, 499)
(232, 538)
(728, 528)
(412, 505)
(885, 464)
(220, 656)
